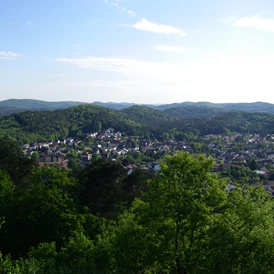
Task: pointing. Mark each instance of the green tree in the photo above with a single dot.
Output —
(6, 195)
(135, 185)
(98, 127)
(35, 156)
(188, 223)
(13, 161)
(95, 157)
(172, 221)
(73, 159)
(45, 211)
(241, 232)
(101, 187)
(252, 164)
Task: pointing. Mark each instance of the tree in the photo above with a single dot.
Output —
(188, 223)
(252, 164)
(240, 234)
(173, 218)
(98, 127)
(35, 156)
(6, 195)
(44, 211)
(74, 159)
(13, 161)
(101, 184)
(95, 157)
(135, 184)
(181, 200)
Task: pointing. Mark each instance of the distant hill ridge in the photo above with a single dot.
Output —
(180, 110)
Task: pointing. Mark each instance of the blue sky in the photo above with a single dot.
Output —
(142, 51)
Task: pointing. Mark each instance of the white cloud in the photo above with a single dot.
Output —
(103, 64)
(229, 19)
(130, 68)
(217, 81)
(31, 24)
(170, 49)
(146, 25)
(256, 22)
(8, 55)
(120, 5)
(131, 13)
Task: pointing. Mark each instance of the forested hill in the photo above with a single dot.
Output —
(136, 120)
(75, 121)
(113, 105)
(148, 116)
(181, 110)
(19, 105)
(194, 111)
(240, 122)
(246, 107)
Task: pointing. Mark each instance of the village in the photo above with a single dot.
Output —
(227, 150)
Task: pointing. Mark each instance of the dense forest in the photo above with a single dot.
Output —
(20, 105)
(99, 219)
(32, 126)
(182, 110)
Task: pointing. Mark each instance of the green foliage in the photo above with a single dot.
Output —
(135, 185)
(7, 266)
(181, 221)
(19, 105)
(190, 112)
(240, 122)
(188, 223)
(147, 116)
(143, 121)
(38, 126)
(102, 187)
(6, 195)
(242, 232)
(14, 162)
(252, 164)
(44, 211)
(242, 174)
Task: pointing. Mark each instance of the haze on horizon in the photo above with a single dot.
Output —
(141, 51)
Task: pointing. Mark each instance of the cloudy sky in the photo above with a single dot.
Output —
(142, 51)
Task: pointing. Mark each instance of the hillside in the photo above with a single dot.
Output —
(240, 122)
(113, 105)
(19, 105)
(148, 116)
(246, 107)
(194, 111)
(29, 104)
(33, 126)
(180, 110)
